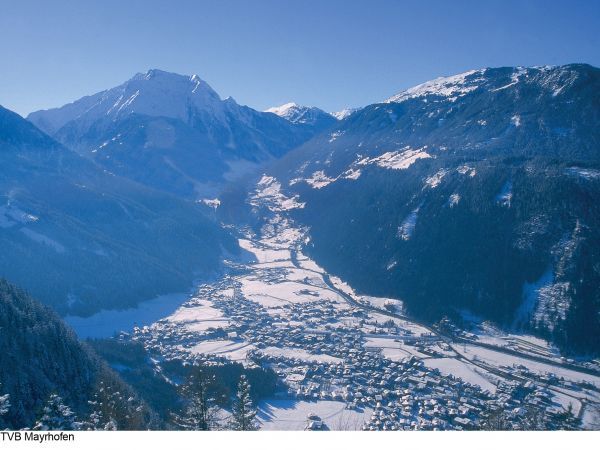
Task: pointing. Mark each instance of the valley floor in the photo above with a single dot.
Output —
(358, 362)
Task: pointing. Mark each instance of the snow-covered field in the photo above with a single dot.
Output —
(502, 359)
(392, 348)
(284, 292)
(199, 317)
(291, 415)
(382, 302)
(469, 373)
(233, 350)
(415, 331)
(264, 254)
(309, 264)
(291, 285)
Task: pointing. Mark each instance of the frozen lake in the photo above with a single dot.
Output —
(108, 322)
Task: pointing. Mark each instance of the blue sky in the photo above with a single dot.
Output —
(331, 54)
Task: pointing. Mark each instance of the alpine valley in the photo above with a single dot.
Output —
(431, 261)
(472, 194)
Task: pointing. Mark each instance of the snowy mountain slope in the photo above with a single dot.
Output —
(82, 239)
(446, 87)
(155, 93)
(44, 357)
(461, 193)
(172, 132)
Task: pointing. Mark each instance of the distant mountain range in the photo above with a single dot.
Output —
(174, 133)
(473, 193)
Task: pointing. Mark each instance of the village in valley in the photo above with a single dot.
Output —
(351, 362)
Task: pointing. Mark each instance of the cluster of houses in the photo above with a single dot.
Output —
(401, 394)
(334, 362)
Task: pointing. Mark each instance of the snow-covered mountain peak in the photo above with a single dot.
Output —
(346, 112)
(159, 93)
(152, 73)
(299, 114)
(284, 110)
(159, 83)
(153, 93)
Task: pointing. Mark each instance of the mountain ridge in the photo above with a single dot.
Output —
(172, 132)
(82, 239)
(413, 196)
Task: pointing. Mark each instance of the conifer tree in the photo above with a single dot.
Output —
(114, 408)
(100, 418)
(4, 403)
(57, 416)
(568, 420)
(244, 414)
(534, 419)
(200, 411)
